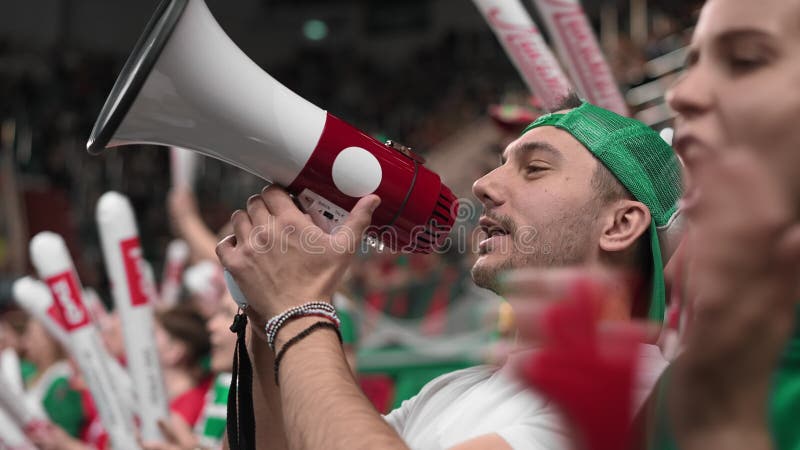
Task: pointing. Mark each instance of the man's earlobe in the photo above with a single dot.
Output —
(630, 220)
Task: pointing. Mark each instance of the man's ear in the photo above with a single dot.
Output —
(627, 221)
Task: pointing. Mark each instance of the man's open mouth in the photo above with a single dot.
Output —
(493, 231)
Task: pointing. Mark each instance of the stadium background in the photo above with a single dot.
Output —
(421, 72)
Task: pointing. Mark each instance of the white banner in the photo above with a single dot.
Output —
(575, 40)
(524, 44)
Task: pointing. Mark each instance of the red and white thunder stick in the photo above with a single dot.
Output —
(133, 294)
(35, 298)
(23, 411)
(177, 255)
(183, 167)
(52, 261)
(95, 306)
(11, 435)
(150, 280)
(10, 368)
(527, 49)
(19, 415)
(577, 44)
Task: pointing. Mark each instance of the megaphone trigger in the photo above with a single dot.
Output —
(234, 290)
(323, 213)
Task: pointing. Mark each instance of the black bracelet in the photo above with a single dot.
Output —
(300, 336)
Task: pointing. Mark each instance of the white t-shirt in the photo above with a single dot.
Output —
(468, 403)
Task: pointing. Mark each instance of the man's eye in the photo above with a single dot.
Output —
(531, 170)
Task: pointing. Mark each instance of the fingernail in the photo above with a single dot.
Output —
(375, 203)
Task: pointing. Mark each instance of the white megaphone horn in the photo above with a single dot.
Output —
(186, 84)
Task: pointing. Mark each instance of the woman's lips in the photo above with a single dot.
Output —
(690, 199)
(691, 151)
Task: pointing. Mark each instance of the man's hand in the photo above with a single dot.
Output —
(743, 255)
(280, 259)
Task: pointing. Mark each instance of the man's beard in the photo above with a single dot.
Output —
(556, 244)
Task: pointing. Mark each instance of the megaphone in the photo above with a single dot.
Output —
(186, 84)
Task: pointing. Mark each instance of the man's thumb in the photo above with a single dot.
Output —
(361, 215)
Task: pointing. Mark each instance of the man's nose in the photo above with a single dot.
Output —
(487, 189)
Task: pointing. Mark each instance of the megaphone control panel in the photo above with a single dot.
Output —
(325, 214)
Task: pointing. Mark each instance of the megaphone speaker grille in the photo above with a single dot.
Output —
(134, 74)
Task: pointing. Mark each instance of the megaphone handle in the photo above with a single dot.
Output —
(236, 292)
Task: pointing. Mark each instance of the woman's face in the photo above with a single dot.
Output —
(741, 86)
(38, 346)
(171, 351)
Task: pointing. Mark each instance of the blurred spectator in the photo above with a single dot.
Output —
(183, 346)
(50, 386)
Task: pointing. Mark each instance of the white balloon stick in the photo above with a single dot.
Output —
(577, 44)
(11, 435)
(35, 298)
(26, 413)
(133, 293)
(183, 167)
(525, 46)
(10, 368)
(95, 306)
(51, 258)
(150, 282)
(177, 255)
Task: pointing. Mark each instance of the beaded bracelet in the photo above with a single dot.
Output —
(273, 328)
(273, 333)
(278, 320)
(300, 336)
(320, 309)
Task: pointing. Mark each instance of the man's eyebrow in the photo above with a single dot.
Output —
(522, 149)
